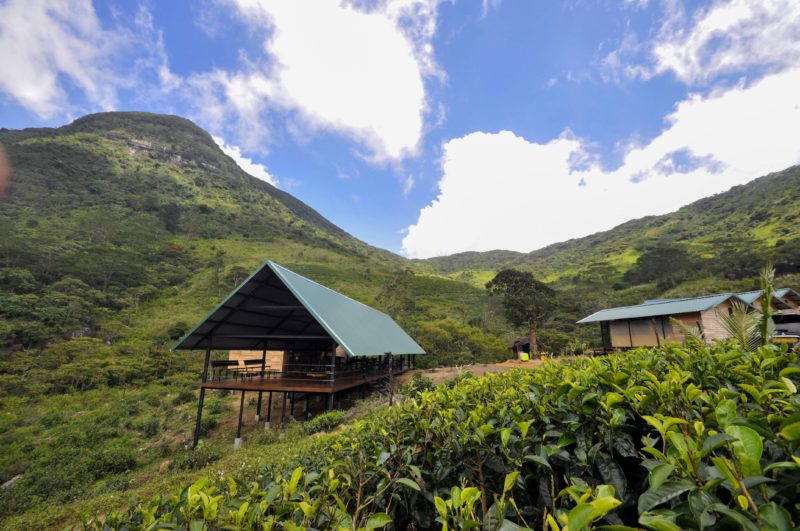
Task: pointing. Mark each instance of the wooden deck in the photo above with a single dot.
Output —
(284, 384)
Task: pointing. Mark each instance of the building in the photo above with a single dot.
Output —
(285, 335)
(650, 324)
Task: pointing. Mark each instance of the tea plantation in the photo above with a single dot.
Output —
(678, 438)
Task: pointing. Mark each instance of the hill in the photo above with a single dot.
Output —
(118, 232)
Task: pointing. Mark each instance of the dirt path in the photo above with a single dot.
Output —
(442, 374)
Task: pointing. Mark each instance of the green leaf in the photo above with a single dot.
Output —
(659, 521)
(791, 432)
(295, 479)
(511, 479)
(715, 441)
(659, 475)
(664, 493)
(580, 516)
(736, 516)
(699, 501)
(469, 496)
(505, 434)
(775, 518)
(441, 506)
(524, 427)
(725, 412)
(747, 447)
(539, 460)
(378, 520)
(410, 483)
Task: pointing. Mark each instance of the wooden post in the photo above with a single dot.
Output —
(237, 443)
(260, 393)
(333, 376)
(283, 409)
(391, 378)
(655, 330)
(630, 335)
(203, 379)
(269, 411)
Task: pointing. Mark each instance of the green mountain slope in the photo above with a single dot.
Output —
(118, 232)
(726, 236)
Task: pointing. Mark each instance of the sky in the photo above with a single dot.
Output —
(433, 127)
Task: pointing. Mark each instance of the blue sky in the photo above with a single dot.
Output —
(430, 127)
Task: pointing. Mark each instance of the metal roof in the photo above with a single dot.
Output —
(654, 308)
(750, 296)
(277, 309)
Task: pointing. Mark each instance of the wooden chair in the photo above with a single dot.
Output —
(220, 366)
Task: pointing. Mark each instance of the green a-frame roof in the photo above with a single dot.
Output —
(277, 309)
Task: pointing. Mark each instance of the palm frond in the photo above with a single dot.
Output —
(742, 325)
(692, 336)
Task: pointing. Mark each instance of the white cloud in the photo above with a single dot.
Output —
(728, 37)
(45, 45)
(355, 71)
(247, 164)
(499, 190)
(51, 49)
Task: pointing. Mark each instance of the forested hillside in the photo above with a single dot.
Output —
(716, 244)
(120, 231)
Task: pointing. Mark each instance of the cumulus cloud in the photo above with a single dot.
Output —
(727, 37)
(350, 69)
(247, 164)
(499, 190)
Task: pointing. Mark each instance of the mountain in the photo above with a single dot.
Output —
(727, 237)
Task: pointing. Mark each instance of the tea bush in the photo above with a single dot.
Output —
(195, 459)
(416, 385)
(664, 439)
(325, 422)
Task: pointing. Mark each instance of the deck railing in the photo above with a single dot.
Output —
(305, 372)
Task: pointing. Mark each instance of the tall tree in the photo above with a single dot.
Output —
(395, 296)
(526, 301)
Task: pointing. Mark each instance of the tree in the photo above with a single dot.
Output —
(395, 296)
(526, 301)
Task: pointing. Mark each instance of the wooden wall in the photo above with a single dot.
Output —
(649, 332)
(712, 324)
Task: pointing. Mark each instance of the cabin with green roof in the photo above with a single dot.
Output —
(300, 340)
(650, 324)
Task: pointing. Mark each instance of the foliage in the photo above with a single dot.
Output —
(448, 342)
(674, 438)
(196, 459)
(416, 385)
(325, 421)
(526, 301)
(741, 324)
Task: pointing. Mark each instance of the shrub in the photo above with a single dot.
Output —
(52, 418)
(417, 384)
(670, 438)
(325, 422)
(113, 460)
(207, 424)
(184, 396)
(200, 457)
(151, 428)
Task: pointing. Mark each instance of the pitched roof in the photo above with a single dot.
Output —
(275, 308)
(655, 308)
(750, 296)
